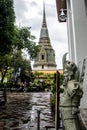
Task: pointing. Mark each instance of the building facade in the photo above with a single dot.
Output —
(45, 60)
(77, 35)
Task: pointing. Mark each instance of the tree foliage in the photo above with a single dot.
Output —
(25, 40)
(11, 38)
(5, 64)
(7, 19)
(22, 63)
(22, 40)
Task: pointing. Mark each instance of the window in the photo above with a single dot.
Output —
(42, 66)
(42, 57)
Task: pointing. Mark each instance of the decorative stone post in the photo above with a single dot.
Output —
(70, 99)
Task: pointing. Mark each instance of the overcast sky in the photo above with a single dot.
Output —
(30, 13)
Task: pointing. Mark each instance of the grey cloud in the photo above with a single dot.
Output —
(33, 4)
(57, 36)
(35, 23)
(20, 8)
(50, 10)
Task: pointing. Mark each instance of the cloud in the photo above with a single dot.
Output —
(20, 7)
(20, 10)
(33, 4)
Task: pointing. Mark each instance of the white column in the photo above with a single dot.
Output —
(70, 32)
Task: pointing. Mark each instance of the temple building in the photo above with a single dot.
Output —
(45, 61)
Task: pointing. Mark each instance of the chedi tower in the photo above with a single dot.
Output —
(46, 57)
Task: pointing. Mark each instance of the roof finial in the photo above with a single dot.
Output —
(43, 7)
(44, 16)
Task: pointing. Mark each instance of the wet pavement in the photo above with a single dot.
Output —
(23, 110)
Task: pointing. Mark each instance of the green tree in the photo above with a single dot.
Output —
(22, 40)
(25, 40)
(12, 37)
(5, 65)
(7, 19)
(23, 64)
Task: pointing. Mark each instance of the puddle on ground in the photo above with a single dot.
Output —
(20, 112)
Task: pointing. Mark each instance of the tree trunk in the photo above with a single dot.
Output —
(3, 74)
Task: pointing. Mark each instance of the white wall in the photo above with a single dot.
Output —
(45, 68)
(77, 34)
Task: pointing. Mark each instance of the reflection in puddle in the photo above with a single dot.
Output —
(33, 113)
(21, 110)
